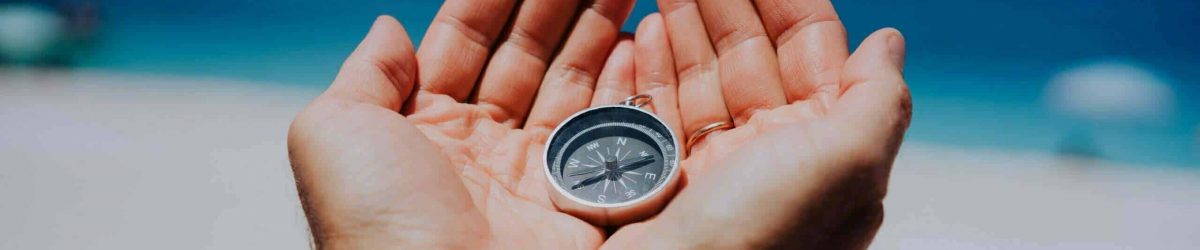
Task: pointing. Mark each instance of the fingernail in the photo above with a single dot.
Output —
(896, 49)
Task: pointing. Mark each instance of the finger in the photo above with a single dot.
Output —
(520, 61)
(700, 100)
(810, 42)
(567, 86)
(616, 79)
(457, 45)
(876, 102)
(381, 70)
(656, 70)
(750, 78)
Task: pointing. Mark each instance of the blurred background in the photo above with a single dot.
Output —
(161, 124)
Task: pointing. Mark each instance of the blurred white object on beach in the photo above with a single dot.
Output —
(29, 33)
(1111, 91)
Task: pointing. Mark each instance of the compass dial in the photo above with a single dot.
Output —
(611, 156)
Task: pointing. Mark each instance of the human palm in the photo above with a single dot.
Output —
(816, 129)
(441, 147)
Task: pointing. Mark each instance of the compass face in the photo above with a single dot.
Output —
(611, 156)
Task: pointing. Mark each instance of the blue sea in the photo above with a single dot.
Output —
(978, 69)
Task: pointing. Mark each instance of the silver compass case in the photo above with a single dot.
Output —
(612, 164)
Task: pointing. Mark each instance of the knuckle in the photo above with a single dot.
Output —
(672, 5)
(472, 32)
(732, 38)
(814, 18)
(528, 42)
(690, 72)
(571, 74)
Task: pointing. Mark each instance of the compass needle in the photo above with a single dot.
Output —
(630, 179)
(589, 181)
(586, 172)
(637, 164)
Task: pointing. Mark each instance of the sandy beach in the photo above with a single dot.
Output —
(101, 160)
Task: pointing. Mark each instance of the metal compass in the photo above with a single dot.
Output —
(612, 156)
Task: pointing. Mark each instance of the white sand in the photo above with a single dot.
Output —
(110, 161)
(946, 198)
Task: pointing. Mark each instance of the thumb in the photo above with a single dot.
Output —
(884, 50)
(875, 105)
(381, 71)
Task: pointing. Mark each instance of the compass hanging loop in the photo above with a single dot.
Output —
(637, 100)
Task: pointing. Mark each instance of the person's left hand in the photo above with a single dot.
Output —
(441, 148)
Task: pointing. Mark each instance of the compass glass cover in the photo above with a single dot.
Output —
(611, 156)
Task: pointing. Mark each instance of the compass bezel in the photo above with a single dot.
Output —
(670, 167)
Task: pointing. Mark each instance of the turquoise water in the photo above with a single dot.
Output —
(977, 69)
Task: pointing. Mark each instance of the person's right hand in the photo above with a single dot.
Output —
(441, 148)
(816, 131)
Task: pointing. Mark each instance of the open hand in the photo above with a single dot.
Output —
(440, 148)
(816, 129)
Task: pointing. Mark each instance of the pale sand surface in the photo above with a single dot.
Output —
(97, 160)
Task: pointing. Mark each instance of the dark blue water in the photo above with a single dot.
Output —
(977, 69)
